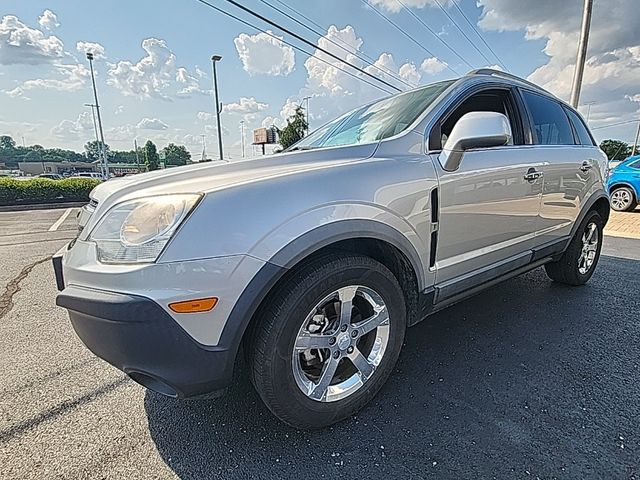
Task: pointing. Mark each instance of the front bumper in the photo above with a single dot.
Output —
(136, 335)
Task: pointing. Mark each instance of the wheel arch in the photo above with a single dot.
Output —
(380, 242)
(619, 184)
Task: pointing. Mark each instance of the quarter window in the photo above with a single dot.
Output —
(551, 124)
(581, 130)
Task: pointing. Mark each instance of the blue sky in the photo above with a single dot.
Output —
(162, 91)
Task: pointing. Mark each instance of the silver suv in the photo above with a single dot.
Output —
(316, 260)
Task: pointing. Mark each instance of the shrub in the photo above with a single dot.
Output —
(43, 190)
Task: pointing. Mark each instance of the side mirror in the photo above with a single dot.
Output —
(475, 130)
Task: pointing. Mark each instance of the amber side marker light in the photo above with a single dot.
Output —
(194, 306)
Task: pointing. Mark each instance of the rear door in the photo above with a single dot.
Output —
(568, 155)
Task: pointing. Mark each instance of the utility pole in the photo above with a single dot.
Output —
(582, 53)
(242, 136)
(214, 60)
(635, 144)
(97, 106)
(588, 104)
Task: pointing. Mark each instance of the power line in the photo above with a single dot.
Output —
(248, 24)
(444, 10)
(397, 27)
(304, 40)
(354, 52)
(408, 10)
(455, 3)
(614, 124)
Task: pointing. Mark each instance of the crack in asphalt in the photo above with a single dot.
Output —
(13, 287)
(61, 409)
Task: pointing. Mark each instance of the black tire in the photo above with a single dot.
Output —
(567, 269)
(270, 344)
(627, 200)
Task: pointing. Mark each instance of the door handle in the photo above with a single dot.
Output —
(532, 175)
(586, 166)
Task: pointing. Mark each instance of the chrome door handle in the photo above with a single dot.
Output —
(586, 166)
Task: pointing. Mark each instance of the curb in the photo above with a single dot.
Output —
(41, 206)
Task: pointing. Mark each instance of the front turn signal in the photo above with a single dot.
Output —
(194, 306)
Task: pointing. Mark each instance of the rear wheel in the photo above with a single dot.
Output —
(623, 199)
(578, 262)
(327, 340)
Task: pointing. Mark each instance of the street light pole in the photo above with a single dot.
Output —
(95, 125)
(97, 106)
(242, 136)
(582, 53)
(218, 106)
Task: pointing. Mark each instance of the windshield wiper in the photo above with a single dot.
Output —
(303, 147)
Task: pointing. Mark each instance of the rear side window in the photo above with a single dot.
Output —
(580, 128)
(551, 124)
(635, 164)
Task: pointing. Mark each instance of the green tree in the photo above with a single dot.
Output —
(6, 142)
(151, 157)
(616, 149)
(295, 129)
(176, 154)
(93, 152)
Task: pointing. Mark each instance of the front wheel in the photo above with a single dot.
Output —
(579, 261)
(327, 340)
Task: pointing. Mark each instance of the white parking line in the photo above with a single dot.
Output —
(62, 218)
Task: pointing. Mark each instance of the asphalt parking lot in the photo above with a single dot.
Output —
(527, 380)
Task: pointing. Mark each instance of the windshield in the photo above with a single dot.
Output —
(374, 122)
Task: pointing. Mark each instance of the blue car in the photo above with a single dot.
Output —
(624, 185)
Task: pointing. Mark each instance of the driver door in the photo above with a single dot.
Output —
(488, 209)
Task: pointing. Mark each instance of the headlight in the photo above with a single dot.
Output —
(136, 231)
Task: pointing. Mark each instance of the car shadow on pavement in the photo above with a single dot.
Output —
(527, 378)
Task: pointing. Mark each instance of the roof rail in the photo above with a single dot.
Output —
(500, 73)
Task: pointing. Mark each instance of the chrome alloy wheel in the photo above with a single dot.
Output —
(621, 199)
(590, 239)
(341, 343)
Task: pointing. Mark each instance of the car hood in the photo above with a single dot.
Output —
(205, 177)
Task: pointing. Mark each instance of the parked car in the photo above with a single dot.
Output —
(51, 176)
(96, 175)
(624, 185)
(317, 260)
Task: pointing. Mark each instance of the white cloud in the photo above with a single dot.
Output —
(395, 6)
(151, 124)
(264, 54)
(119, 109)
(20, 44)
(410, 73)
(70, 78)
(48, 20)
(244, 106)
(432, 66)
(95, 48)
(205, 116)
(156, 75)
(77, 129)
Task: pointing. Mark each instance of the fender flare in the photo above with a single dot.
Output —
(597, 195)
(287, 257)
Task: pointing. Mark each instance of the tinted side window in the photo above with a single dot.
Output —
(550, 123)
(635, 164)
(581, 130)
